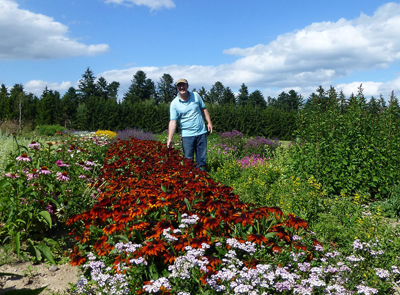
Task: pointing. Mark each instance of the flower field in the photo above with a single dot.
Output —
(144, 220)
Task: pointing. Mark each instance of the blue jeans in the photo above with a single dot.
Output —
(196, 145)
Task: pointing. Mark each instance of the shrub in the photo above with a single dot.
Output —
(349, 149)
(49, 130)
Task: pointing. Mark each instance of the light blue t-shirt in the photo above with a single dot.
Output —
(188, 114)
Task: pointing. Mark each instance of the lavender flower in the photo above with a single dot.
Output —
(23, 158)
(366, 290)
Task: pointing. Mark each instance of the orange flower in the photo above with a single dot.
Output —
(113, 228)
(258, 239)
(154, 248)
(296, 222)
(245, 218)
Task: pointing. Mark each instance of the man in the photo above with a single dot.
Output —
(190, 111)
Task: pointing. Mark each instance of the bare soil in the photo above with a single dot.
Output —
(57, 278)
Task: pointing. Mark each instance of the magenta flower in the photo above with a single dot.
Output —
(63, 176)
(60, 163)
(23, 158)
(11, 175)
(44, 170)
(34, 145)
(89, 163)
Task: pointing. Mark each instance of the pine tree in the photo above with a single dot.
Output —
(87, 86)
(166, 90)
(141, 88)
(256, 99)
(243, 96)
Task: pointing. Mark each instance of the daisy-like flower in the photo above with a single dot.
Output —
(89, 162)
(33, 174)
(44, 170)
(34, 145)
(23, 158)
(11, 175)
(63, 176)
(60, 163)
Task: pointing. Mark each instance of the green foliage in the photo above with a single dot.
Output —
(44, 183)
(349, 150)
(49, 130)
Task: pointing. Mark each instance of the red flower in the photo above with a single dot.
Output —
(296, 222)
(258, 239)
(245, 218)
(154, 248)
(113, 228)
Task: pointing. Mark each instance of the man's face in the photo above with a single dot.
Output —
(182, 87)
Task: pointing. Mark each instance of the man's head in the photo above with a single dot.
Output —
(181, 81)
(182, 86)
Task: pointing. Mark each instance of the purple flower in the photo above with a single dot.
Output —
(366, 290)
(62, 176)
(23, 158)
(11, 175)
(34, 145)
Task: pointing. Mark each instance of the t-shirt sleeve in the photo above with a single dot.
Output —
(201, 102)
(173, 112)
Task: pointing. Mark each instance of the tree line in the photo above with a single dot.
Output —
(95, 105)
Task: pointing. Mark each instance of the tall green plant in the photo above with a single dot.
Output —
(349, 149)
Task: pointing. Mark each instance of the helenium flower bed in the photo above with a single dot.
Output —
(163, 226)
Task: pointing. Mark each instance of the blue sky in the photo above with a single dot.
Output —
(270, 45)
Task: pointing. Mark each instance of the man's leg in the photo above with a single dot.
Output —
(188, 147)
(201, 151)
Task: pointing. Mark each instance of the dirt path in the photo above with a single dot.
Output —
(56, 278)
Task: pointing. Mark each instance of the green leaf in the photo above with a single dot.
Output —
(163, 188)
(4, 182)
(37, 253)
(17, 241)
(188, 204)
(270, 235)
(124, 238)
(46, 252)
(27, 191)
(47, 217)
(9, 166)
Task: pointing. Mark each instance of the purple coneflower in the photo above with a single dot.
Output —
(34, 145)
(62, 176)
(23, 158)
(44, 170)
(11, 175)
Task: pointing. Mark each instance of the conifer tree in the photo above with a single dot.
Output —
(243, 96)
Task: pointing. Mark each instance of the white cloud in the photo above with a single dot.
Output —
(303, 59)
(37, 86)
(152, 4)
(27, 35)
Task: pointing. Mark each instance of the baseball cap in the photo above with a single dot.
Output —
(181, 80)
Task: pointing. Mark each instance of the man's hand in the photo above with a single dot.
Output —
(210, 128)
(169, 144)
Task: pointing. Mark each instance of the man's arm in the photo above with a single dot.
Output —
(171, 132)
(206, 115)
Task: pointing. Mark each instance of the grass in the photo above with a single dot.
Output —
(9, 145)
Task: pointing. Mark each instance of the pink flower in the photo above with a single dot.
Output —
(44, 170)
(12, 175)
(63, 176)
(89, 163)
(24, 158)
(34, 145)
(60, 163)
